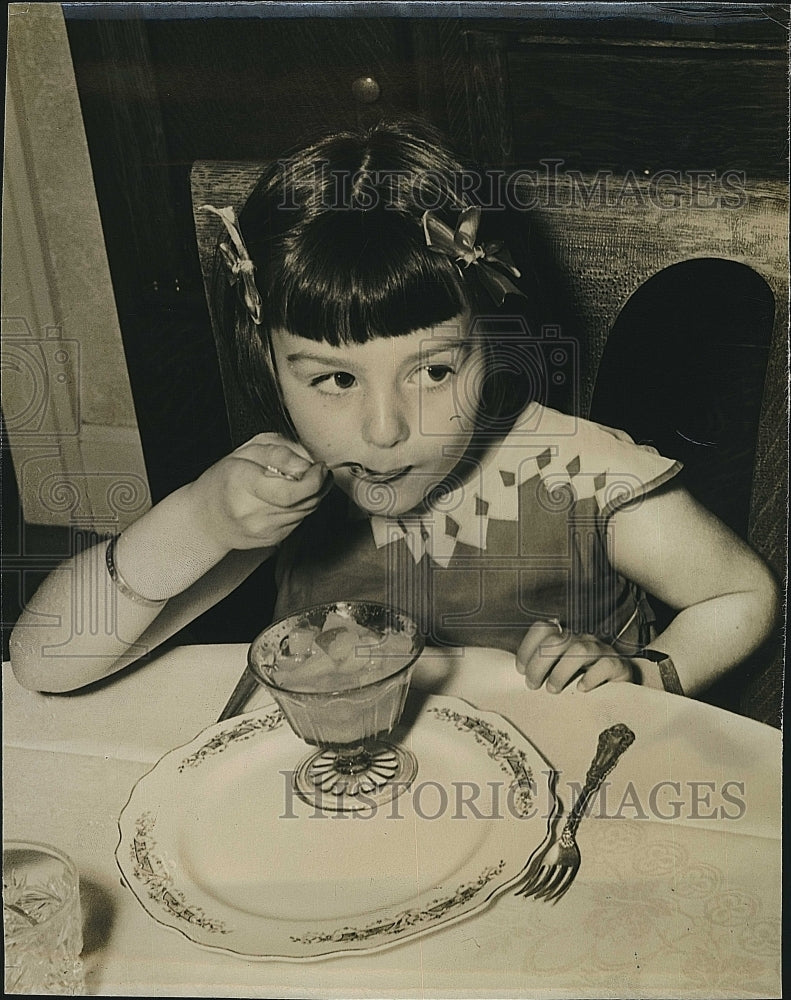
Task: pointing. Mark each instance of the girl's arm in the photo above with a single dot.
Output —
(78, 627)
(726, 598)
(186, 553)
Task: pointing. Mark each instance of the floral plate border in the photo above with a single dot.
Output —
(152, 876)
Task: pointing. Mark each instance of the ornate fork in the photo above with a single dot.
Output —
(550, 874)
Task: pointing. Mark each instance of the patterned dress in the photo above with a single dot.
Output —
(518, 537)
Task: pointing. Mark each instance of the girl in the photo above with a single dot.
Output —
(382, 336)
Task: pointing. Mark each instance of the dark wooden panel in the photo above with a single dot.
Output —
(736, 24)
(237, 89)
(491, 112)
(649, 109)
(458, 92)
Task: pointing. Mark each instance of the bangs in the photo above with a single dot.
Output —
(349, 277)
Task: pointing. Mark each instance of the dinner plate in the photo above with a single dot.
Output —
(215, 844)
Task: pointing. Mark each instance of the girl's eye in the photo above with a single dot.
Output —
(334, 383)
(343, 380)
(435, 375)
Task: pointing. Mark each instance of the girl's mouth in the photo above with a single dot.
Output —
(372, 476)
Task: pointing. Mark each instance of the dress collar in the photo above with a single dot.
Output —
(459, 516)
(542, 443)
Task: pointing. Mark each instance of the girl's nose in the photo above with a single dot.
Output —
(384, 422)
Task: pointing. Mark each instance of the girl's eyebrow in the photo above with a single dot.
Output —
(302, 356)
(439, 347)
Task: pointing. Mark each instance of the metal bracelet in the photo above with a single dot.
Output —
(121, 584)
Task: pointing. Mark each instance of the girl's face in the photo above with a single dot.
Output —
(390, 417)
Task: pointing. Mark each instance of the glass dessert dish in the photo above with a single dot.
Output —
(340, 673)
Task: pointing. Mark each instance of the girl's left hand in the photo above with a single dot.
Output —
(548, 654)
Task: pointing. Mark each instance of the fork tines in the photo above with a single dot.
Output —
(548, 882)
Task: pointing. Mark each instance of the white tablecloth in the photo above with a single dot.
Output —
(664, 905)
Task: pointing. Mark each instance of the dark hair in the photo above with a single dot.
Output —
(335, 233)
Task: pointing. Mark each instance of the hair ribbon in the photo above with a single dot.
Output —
(491, 259)
(238, 260)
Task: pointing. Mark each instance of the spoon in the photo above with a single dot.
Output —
(273, 469)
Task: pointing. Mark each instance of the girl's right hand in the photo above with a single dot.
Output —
(242, 504)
